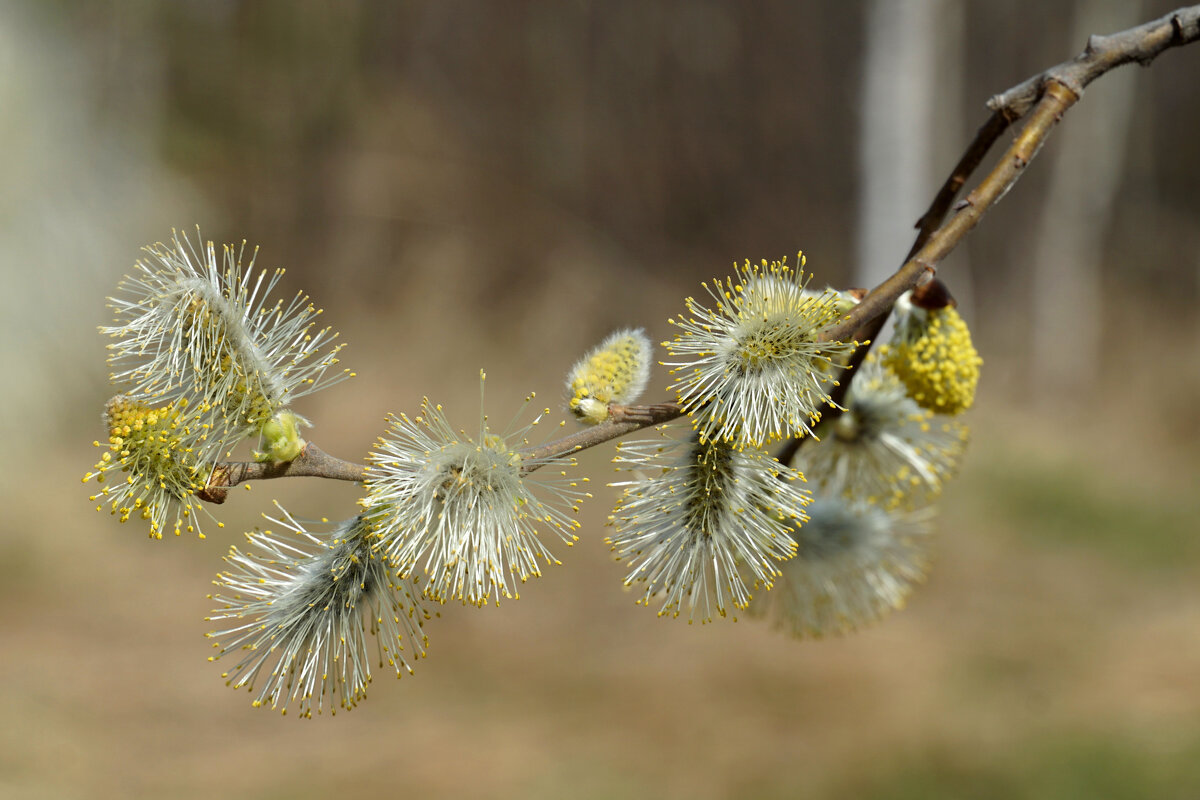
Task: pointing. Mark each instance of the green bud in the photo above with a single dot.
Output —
(280, 437)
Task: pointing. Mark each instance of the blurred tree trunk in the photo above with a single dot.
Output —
(896, 123)
(912, 113)
(1069, 247)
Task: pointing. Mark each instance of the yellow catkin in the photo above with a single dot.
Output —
(940, 367)
(153, 447)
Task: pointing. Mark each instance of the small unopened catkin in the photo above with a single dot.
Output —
(613, 372)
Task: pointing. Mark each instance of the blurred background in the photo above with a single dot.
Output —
(466, 185)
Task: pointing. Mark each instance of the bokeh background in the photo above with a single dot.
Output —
(466, 185)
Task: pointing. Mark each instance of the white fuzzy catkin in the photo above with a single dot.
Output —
(854, 563)
(751, 370)
(300, 607)
(191, 327)
(708, 526)
(885, 449)
(461, 509)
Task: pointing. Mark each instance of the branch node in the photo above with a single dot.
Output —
(217, 489)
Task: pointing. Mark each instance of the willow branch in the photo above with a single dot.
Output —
(1043, 97)
(985, 137)
(315, 462)
(1048, 94)
(865, 321)
(1064, 83)
(622, 421)
(1142, 44)
(312, 462)
(1056, 99)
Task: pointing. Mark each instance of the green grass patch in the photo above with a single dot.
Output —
(1073, 764)
(1071, 505)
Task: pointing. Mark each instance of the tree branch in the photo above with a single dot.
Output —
(622, 420)
(1141, 44)
(315, 462)
(1054, 91)
(312, 462)
(866, 320)
(985, 137)
(1056, 99)
(1043, 97)
(1103, 53)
